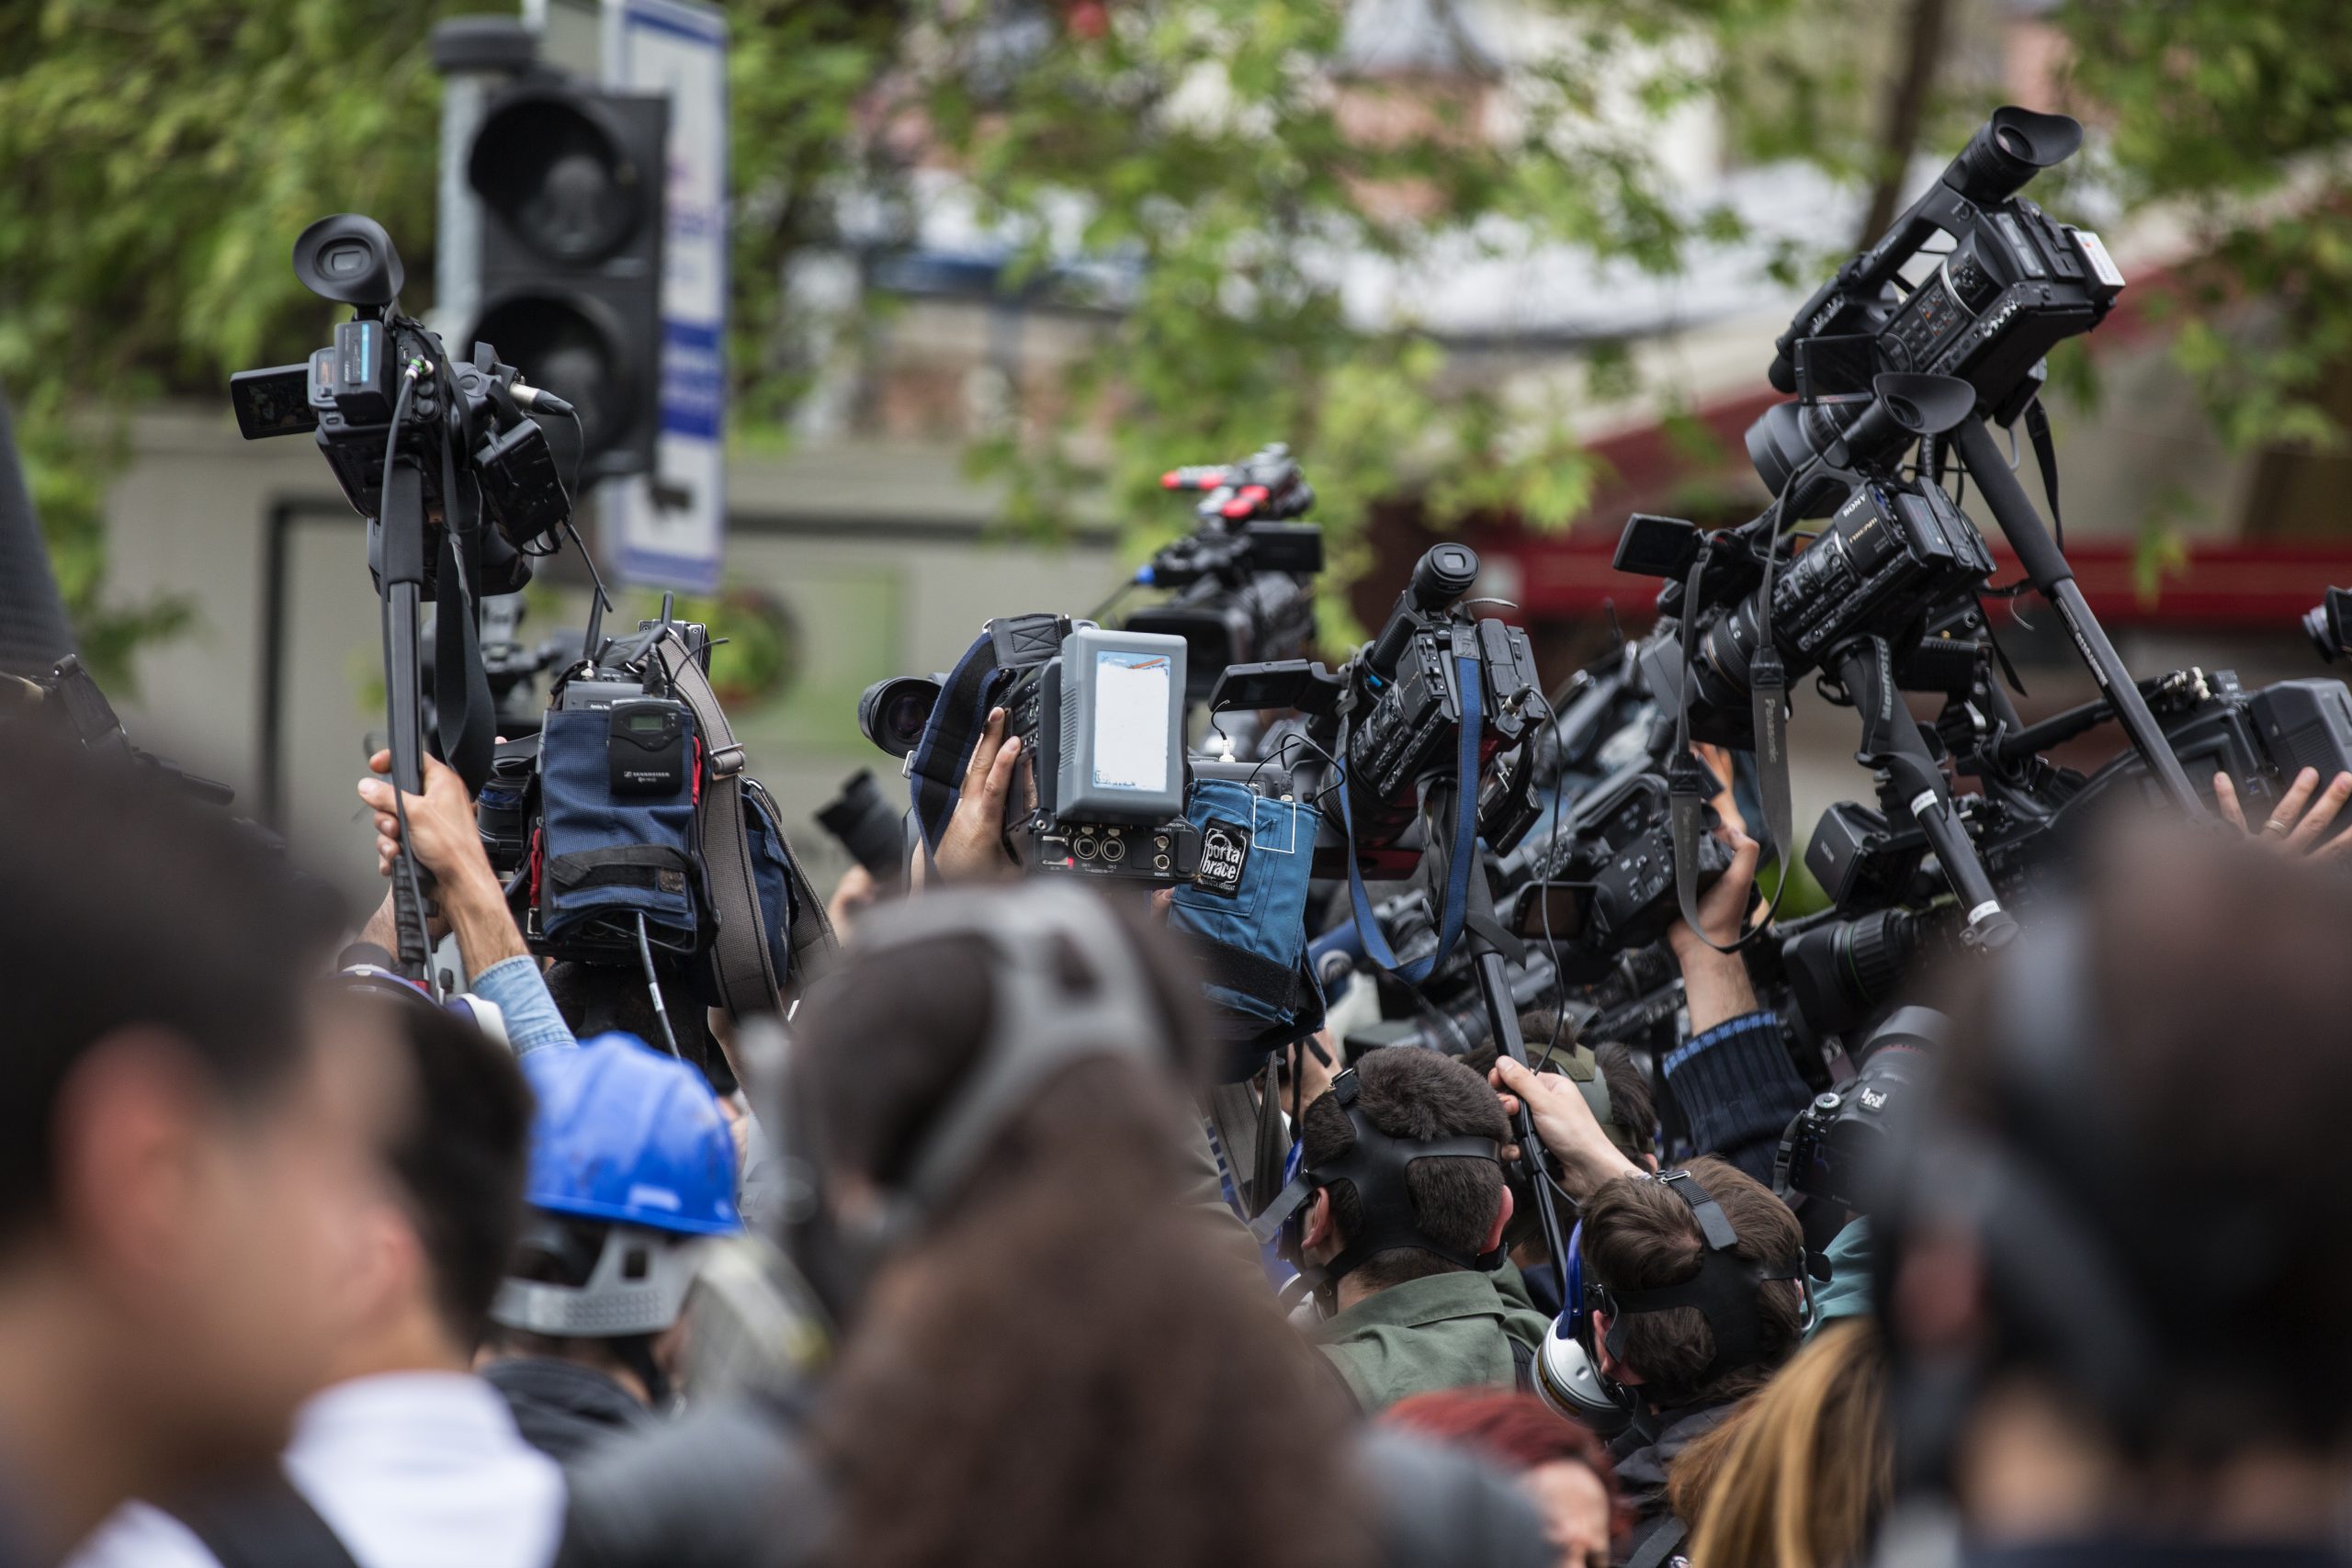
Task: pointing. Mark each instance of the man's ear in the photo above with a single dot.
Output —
(1320, 1230)
(1502, 1218)
(1611, 1368)
(130, 1127)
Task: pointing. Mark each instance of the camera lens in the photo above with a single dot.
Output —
(893, 713)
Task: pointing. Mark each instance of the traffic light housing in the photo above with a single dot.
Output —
(571, 185)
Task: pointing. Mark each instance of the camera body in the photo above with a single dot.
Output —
(2014, 285)
(388, 387)
(1896, 551)
(1409, 726)
(1608, 885)
(1242, 581)
(1836, 1147)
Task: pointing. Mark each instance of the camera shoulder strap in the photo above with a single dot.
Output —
(262, 1521)
(740, 962)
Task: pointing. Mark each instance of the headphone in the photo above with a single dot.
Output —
(1375, 1165)
(1042, 1021)
(1726, 1291)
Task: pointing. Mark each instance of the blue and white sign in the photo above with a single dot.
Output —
(668, 529)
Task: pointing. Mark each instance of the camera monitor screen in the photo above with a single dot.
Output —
(1121, 730)
(1131, 697)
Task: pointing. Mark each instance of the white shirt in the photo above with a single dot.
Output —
(409, 1470)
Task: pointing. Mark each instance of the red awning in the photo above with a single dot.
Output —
(2228, 582)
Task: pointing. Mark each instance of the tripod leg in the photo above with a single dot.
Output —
(2046, 564)
(1890, 739)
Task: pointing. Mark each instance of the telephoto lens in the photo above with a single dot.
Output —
(868, 828)
(893, 713)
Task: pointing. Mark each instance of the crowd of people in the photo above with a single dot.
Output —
(300, 1265)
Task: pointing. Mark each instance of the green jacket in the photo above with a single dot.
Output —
(1448, 1330)
(1523, 1320)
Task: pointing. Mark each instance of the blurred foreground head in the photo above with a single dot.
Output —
(993, 1087)
(2120, 1267)
(183, 1163)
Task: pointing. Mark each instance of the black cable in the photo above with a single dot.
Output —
(654, 986)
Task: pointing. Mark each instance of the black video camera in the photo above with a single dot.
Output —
(2014, 285)
(1895, 551)
(1606, 884)
(1242, 581)
(387, 386)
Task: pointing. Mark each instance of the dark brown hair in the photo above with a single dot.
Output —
(1070, 1366)
(1640, 1235)
(1412, 1093)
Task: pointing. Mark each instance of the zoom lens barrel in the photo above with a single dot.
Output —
(893, 713)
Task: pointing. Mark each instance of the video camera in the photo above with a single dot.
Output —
(387, 389)
(1242, 581)
(427, 448)
(2014, 285)
(1396, 715)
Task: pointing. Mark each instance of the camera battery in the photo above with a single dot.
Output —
(362, 370)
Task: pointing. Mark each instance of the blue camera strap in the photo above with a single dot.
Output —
(1465, 857)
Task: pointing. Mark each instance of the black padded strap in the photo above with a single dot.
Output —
(1713, 1227)
(1277, 985)
(259, 1520)
(632, 865)
(1660, 1544)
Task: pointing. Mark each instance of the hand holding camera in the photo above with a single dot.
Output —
(440, 832)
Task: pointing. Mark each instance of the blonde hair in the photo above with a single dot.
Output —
(1799, 1474)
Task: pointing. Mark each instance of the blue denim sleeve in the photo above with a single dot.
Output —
(1738, 1090)
(514, 986)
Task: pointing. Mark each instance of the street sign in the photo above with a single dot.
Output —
(668, 529)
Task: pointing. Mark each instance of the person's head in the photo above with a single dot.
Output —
(2122, 1244)
(1042, 1264)
(184, 1134)
(632, 1167)
(1605, 1074)
(438, 1245)
(603, 999)
(1801, 1473)
(1563, 1468)
(1459, 1204)
(1641, 1233)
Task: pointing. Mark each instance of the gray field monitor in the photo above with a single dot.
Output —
(1122, 741)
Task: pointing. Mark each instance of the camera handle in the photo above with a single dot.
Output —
(1891, 742)
(1488, 958)
(401, 519)
(2045, 566)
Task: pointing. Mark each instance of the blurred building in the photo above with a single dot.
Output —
(864, 552)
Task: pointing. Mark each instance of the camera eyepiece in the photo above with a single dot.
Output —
(1443, 575)
(349, 259)
(2329, 624)
(2010, 149)
(893, 713)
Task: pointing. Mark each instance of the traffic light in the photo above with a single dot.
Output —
(571, 185)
